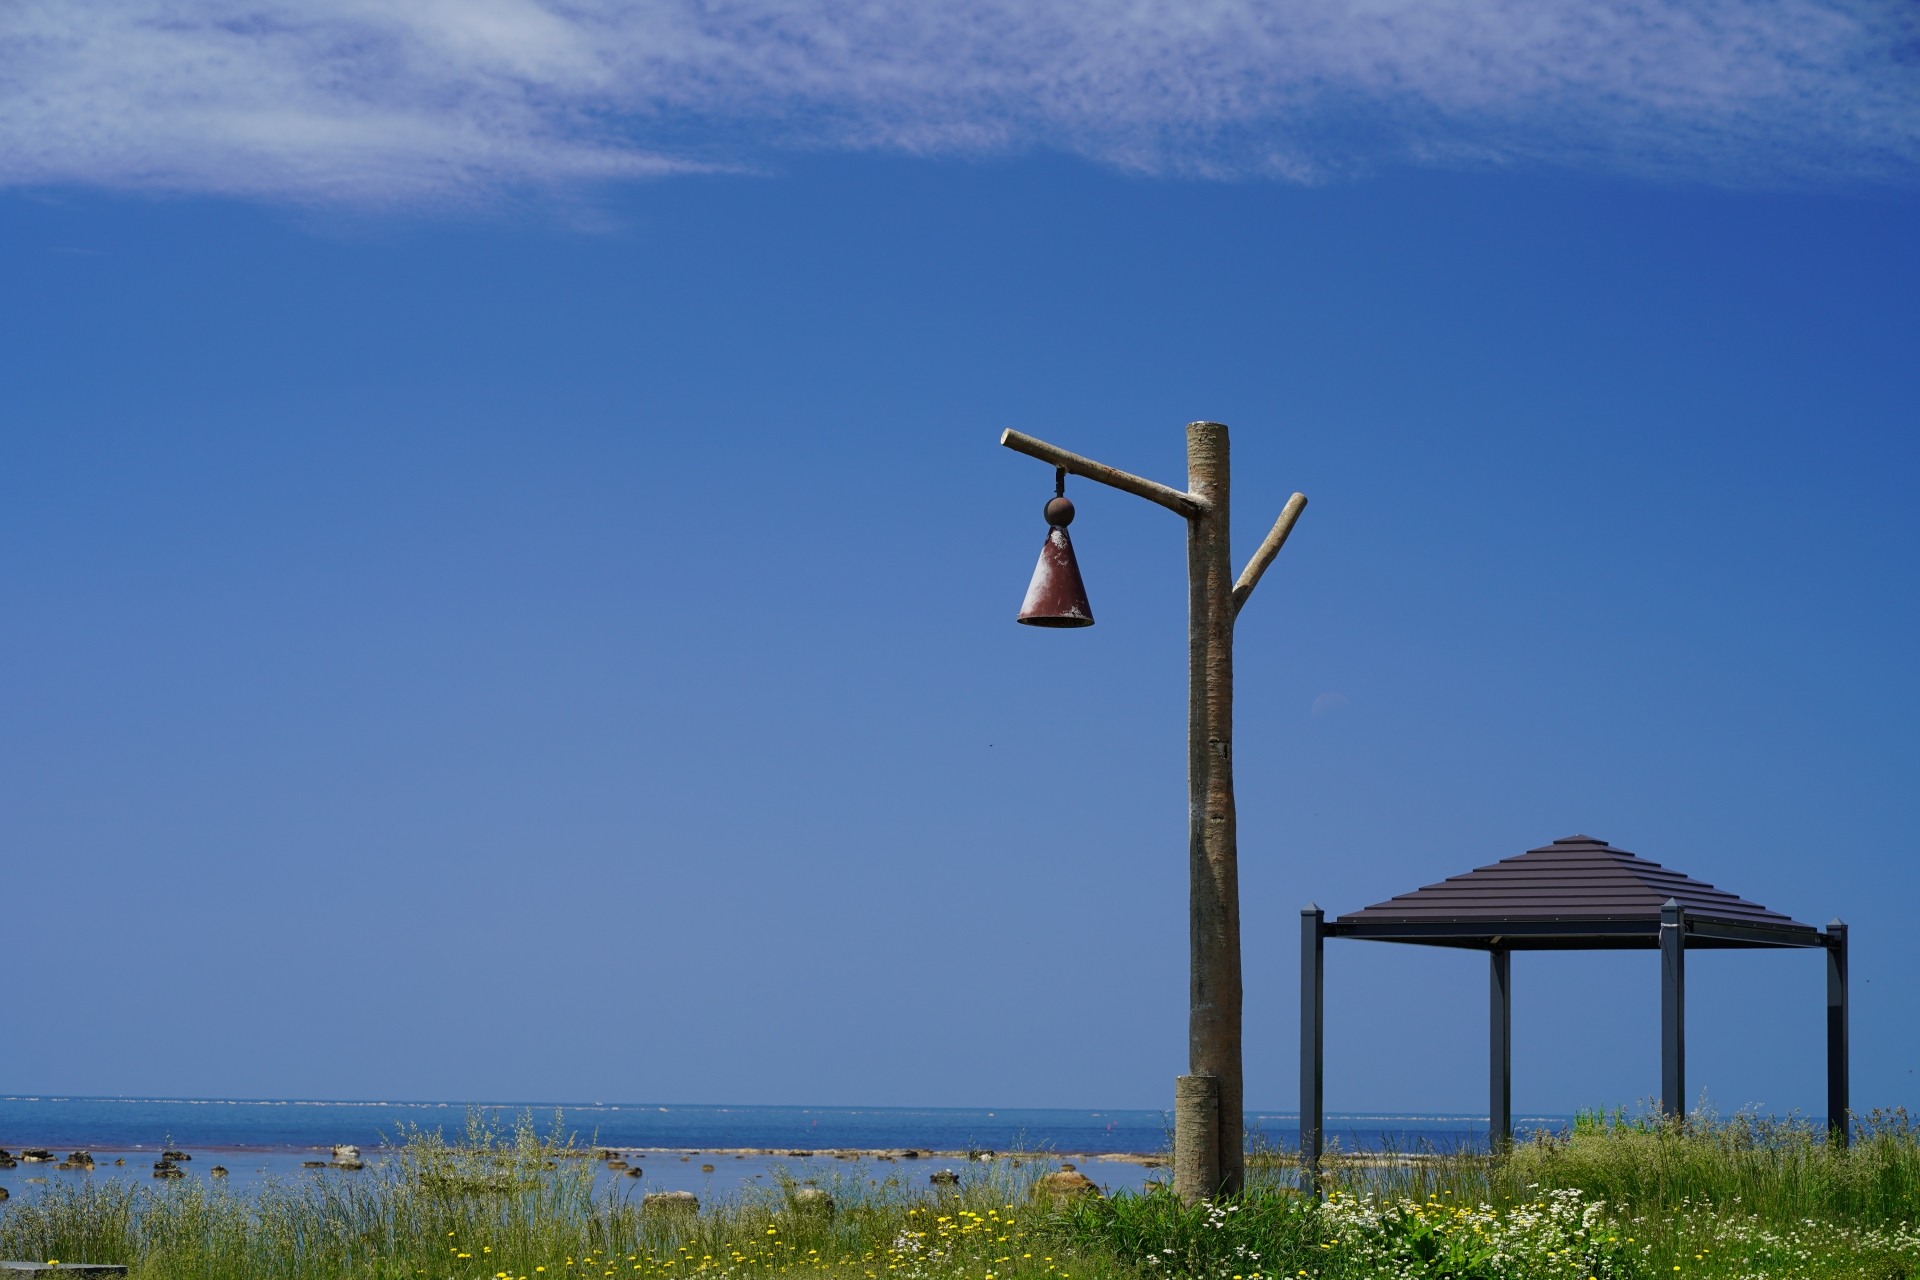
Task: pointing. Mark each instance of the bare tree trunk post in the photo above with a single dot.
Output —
(1209, 1102)
(1196, 1136)
(1213, 1017)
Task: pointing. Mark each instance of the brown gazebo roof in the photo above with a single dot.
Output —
(1576, 892)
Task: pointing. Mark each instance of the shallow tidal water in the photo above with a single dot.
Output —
(731, 1175)
(255, 1140)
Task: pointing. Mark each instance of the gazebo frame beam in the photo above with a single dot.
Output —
(1499, 1047)
(1674, 935)
(1573, 935)
(1313, 1038)
(1839, 1109)
(1673, 1009)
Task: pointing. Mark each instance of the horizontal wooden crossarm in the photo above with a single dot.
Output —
(1174, 500)
(1276, 539)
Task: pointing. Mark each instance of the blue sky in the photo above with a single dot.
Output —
(509, 576)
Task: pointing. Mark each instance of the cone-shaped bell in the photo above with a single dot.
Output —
(1056, 597)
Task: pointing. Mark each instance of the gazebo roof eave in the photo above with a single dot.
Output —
(1574, 933)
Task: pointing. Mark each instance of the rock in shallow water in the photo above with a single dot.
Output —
(813, 1200)
(670, 1202)
(1065, 1186)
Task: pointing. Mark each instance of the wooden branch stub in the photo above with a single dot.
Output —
(1183, 504)
(1276, 539)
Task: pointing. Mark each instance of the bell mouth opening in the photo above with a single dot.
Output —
(1054, 622)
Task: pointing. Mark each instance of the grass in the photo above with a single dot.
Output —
(1616, 1198)
(1782, 1170)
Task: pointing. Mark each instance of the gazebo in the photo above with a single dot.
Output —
(1578, 893)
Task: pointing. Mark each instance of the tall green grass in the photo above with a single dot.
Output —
(1616, 1196)
(510, 1201)
(1778, 1170)
(1782, 1170)
(1745, 1196)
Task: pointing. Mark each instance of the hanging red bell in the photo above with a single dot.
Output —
(1056, 597)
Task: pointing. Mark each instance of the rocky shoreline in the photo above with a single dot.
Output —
(1149, 1160)
(349, 1157)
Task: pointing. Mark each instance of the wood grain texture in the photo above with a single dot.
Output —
(1276, 538)
(1196, 1137)
(1213, 1019)
(1185, 504)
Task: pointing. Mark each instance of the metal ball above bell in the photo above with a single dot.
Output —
(1059, 512)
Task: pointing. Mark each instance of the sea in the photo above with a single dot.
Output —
(708, 1150)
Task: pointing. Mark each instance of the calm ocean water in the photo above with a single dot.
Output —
(255, 1139)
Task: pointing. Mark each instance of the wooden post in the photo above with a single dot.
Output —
(1500, 1049)
(1673, 1009)
(1214, 600)
(1313, 1032)
(1213, 1017)
(1196, 1137)
(1839, 1115)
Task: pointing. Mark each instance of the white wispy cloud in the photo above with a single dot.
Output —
(362, 102)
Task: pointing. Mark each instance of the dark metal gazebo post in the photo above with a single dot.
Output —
(1499, 1048)
(1673, 1008)
(1839, 1117)
(1313, 1032)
